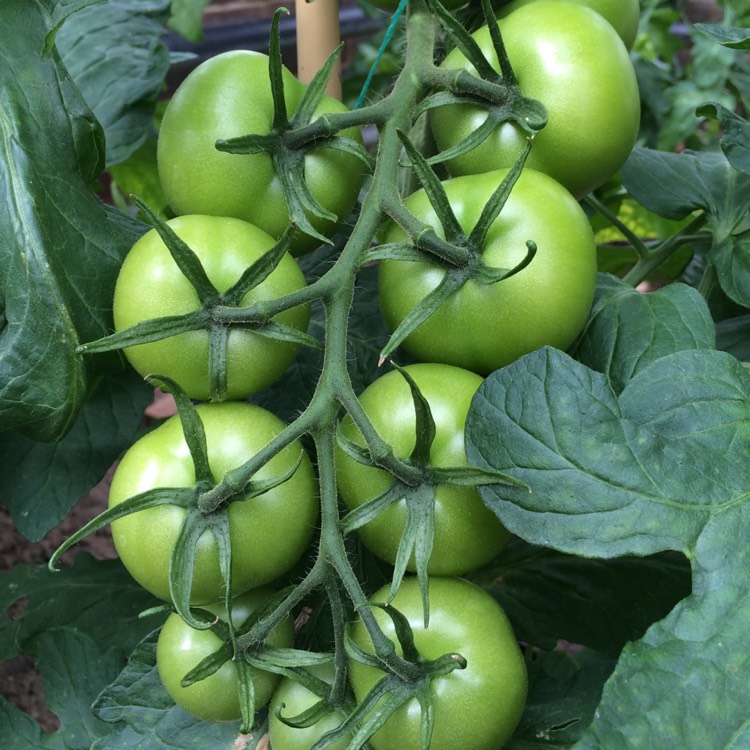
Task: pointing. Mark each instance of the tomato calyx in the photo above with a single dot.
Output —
(395, 688)
(498, 93)
(219, 311)
(417, 492)
(460, 254)
(197, 520)
(291, 138)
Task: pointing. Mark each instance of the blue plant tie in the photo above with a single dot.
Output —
(383, 46)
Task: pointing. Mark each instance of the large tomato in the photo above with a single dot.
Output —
(466, 534)
(480, 704)
(227, 96)
(292, 699)
(624, 15)
(572, 60)
(151, 285)
(180, 648)
(484, 327)
(268, 533)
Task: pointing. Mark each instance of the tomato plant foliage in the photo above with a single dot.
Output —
(609, 437)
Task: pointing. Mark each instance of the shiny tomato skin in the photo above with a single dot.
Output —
(480, 704)
(467, 534)
(570, 59)
(485, 327)
(151, 285)
(227, 96)
(624, 15)
(180, 648)
(269, 532)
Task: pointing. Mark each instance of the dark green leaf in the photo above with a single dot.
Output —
(60, 247)
(564, 690)
(662, 467)
(733, 336)
(732, 260)
(75, 668)
(20, 732)
(41, 482)
(674, 185)
(726, 35)
(627, 330)
(115, 54)
(735, 141)
(186, 18)
(147, 717)
(95, 597)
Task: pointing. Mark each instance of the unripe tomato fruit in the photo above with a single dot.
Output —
(268, 533)
(572, 60)
(180, 648)
(485, 327)
(151, 285)
(624, 15)
(480, 704)
(227, 96)
(467, 534)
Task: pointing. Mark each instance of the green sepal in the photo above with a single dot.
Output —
(495, 116)
(349, 146)
(435, 192)
(355, 451)
(486, 275)
(404, 251)
(246, 691)
(182, 562)
(181, 496)
(458, 36)
(472, 476)
(368, 511)
(275, 67)
(192, 427)
(453, 280)
(286, 661)
(154, 329)
(187, 261)
(218, 366)
(506, 70)
(251, 143)
(424, 423)
(281, 332)
(315, 90)
(497, 200)
(259, 271)
(308, 718)
(404, 633)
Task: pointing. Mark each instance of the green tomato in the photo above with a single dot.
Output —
(269, 532)
(572, 60)
(485, 327)
(180, 648)
(228, 96)
(291, 699)
(151, 285)
(480, 704)
(466, 534)
(624, 15)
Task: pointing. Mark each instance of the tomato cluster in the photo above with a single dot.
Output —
(225, 263)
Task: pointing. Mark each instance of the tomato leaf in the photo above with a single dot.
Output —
(734, 142)
(661, 467)
(628, 330)
(41, 482)
(115, 54)
(541, 591)
(726, 35)
(60, 247)
(143, 713)
(95, 597)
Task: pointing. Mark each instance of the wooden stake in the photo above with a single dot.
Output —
(317, 36)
